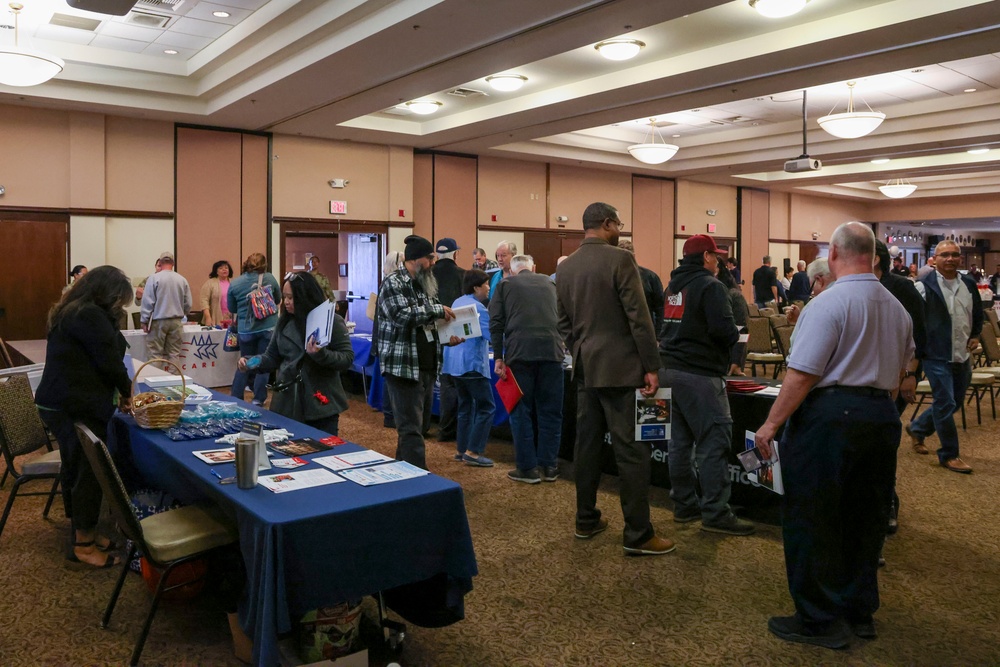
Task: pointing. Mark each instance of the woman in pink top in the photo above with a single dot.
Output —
(213, 295)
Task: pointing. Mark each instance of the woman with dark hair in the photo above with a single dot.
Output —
(215, 294)
(307, 385)
(469, 364)
(83, 379)
(741, 313)
(253, 333)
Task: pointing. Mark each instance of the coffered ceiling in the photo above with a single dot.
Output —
(722, 82)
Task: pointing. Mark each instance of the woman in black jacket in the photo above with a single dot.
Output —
(83, 379)
(307, 385)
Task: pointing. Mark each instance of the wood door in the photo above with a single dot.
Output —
(545, 248)
(32, 274)
(570, 242)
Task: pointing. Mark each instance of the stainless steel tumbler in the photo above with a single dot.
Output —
(246, 464)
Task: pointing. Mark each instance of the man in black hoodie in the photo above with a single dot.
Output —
(695, 343)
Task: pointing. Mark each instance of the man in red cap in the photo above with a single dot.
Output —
(698, 335)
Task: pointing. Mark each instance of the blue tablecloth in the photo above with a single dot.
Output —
(315, 547)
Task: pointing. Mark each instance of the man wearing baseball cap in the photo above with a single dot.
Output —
(698, 335)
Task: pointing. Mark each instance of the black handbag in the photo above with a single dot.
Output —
(295, 388)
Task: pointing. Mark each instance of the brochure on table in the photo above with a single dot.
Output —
(652, 416)
(254, 431)
(319, 323)
(383, 474)
(465, 325)
(303, 479)
(768, 475)
(365, 457)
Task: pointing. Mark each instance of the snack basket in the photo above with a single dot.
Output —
(163, 412)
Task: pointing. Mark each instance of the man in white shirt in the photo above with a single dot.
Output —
(166, 299)
(953, 313)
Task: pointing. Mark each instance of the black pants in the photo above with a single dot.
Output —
(329, 424)
(838, 459)
(411, 405)
(81, 492)
(448, 419)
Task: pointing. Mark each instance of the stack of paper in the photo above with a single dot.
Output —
(319, 323)
(465, 324)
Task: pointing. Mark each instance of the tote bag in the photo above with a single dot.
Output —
(261, 301)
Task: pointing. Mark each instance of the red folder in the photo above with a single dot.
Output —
(509, 391)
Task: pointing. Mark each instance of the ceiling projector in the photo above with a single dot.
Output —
(803, 164)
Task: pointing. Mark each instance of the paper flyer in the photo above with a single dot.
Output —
(293, 481)
(652, 416)
(365, 457)
(225, 455)
(319, 323)
(465, 324)
(769, 473)
(383, 474)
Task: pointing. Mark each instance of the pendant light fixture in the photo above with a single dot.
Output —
(423, 107)
(619, 49)
(777, 9)
(897, 188)
(506, 83)
(652, 152)
(851, 124)
(21, 66)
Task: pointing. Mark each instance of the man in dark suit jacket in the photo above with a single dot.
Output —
(799, 289)
(524, 328)
(449, 279)
(606, 324)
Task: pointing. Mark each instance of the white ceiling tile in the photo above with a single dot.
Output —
(203, 10)
(118, 44)
(183, 41)
(125, 31)
(201, 28)
(157, 50)
(249, 5)
(59, 33)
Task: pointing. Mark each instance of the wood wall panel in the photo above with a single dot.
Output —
(400, 184)
(572, 189)
(694, 200)
(513, 191)
(140, 164)
(35, 167)
(423, 197)
(653, 224)
(86, 160)
(755, 227)
(253, 193)
(455, 180)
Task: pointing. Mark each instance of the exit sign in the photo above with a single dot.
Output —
(338, 207)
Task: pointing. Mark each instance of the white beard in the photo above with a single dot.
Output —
(428, 282)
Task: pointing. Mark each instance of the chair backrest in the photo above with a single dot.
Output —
(753, 310)
(136, 319)
(783, 338)
(21, 429)
(778, 321)
(759, 341)
(766, 312)
(111, 484)
(991, 348)
(991, 315)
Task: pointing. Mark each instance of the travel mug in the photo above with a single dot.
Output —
(246, 464)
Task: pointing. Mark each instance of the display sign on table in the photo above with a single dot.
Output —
(652, 416)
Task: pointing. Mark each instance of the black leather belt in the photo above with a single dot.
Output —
(871, 392)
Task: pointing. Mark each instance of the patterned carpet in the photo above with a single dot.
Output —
(544, 598)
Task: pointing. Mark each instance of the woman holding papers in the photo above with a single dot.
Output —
(469, 364)
(307, 386)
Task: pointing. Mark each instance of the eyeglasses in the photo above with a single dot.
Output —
(621, 225)
(951, 255)
(292, 275)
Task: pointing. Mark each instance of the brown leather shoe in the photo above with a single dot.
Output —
(917, 442)
(957, 465)
(654, 546)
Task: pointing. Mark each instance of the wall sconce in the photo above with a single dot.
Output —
(338, 182)
(711, 212)
(815, 235)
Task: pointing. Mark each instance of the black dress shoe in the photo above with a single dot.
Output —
(791, 628)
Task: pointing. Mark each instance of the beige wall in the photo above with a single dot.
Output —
(423, 196)
(694, 200)
(488, 241)
(36, 157)
(140, 164)
(572, 189)
(455, 203)
(653, 224)
(512, 193)
(756, 229)
(939, 208)
(821, 215)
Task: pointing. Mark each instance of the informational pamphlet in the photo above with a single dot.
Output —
(225, 455)
(299, 447)
(254, 431)
(383, 474)
(652, 416)
(769, 391)
(365, 457)
(157, 381)
(768, 475)
(293, 481)
(288, 464)
(465, 324)
(319, 323)
(192, 393)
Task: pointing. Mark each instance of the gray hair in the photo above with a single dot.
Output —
(446, 255)
(854, 239)
(944, 242)
(509, 245)
(767, 259)
(801, 266)
(393, 260)
(818, 268)
(521, 262)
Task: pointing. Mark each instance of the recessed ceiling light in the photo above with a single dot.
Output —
(978, 151)
(675, 135)
(880, 160)
(619, 49)
(776, 9)
(506, 83)
(969, 90)
(423, 107)
(170, 52)
(221, 15)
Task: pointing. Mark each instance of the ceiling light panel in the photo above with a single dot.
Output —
(206, 11)
(158, 50)
(248, 5)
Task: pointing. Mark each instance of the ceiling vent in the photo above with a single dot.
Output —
(78, 22)
(466, 92)
(161, 5)
(147, 19)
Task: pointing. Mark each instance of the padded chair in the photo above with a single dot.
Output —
(753, 310)
(783, 339)
(767, 312)
(778, 321)
(136, 320)
(22, 433)
(992, 318)
(923, 391)
(980, 385)
(759, 349)
(166, 540)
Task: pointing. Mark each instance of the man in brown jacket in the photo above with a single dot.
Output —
(605, 321)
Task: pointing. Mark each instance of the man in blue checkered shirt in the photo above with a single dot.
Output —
(408, 347)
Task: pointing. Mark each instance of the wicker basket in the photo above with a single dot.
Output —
(165, 412)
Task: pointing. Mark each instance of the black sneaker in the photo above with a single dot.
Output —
(731, 525)
(526, 476)
(599, 527)
(550, 473)
(792, 629)
(686, 517)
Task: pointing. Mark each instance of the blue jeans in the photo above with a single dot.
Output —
(948, 384)
(252, 344)
(541, 383)
(475, 412)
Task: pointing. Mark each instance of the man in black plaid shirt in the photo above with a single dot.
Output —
(408, 347)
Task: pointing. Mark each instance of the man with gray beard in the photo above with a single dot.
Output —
(408, 347)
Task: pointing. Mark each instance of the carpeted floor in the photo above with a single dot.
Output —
(544, 598)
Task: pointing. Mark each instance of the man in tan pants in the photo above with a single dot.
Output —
(165, 301)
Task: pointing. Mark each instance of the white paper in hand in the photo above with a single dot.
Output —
(465, 325)
(319, 323)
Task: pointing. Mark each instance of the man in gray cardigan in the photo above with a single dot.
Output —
(524, 327)
(605, 321)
